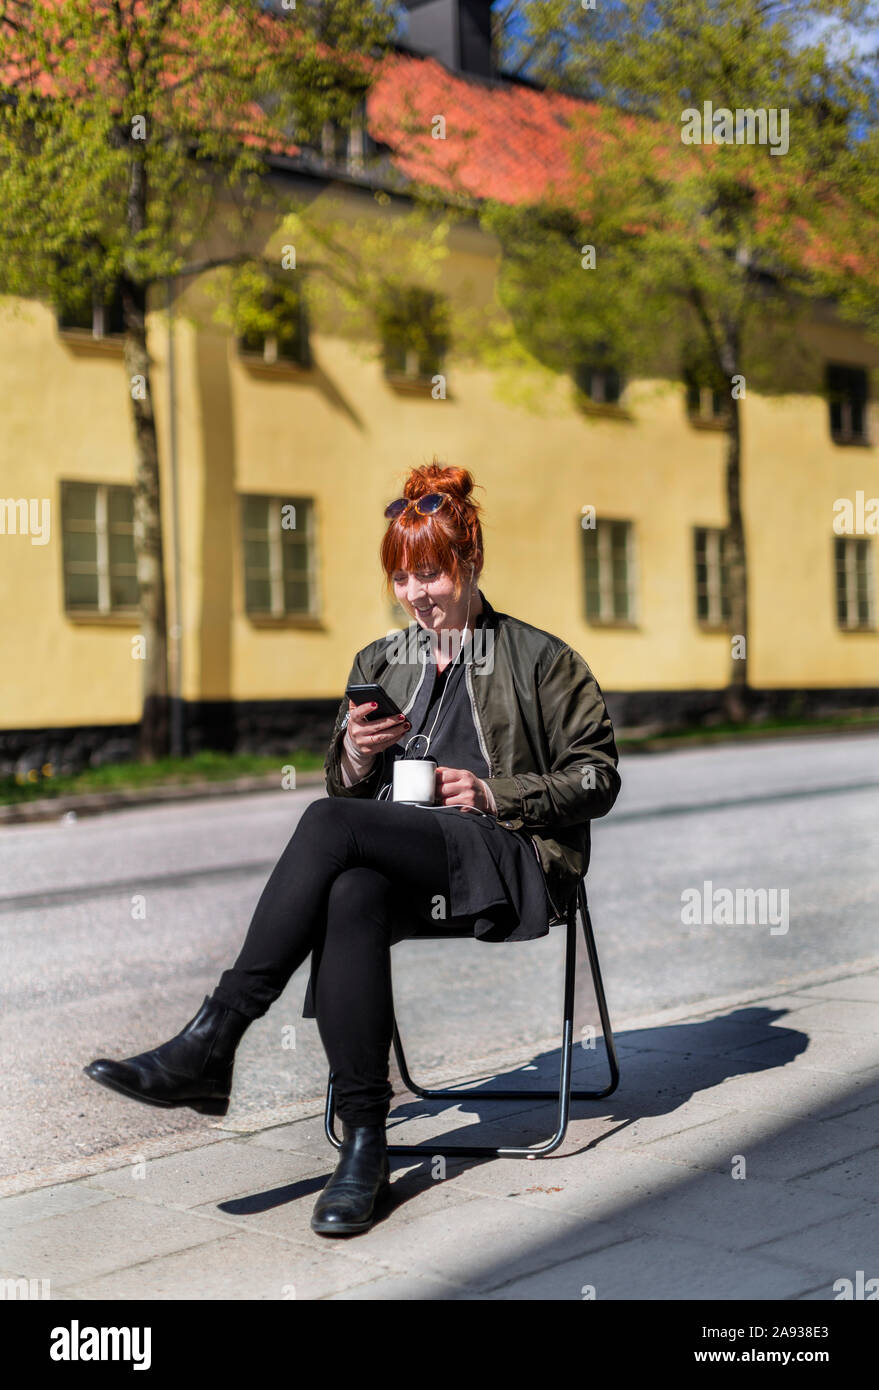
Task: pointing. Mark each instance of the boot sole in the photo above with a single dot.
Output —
(207, 1106)
(353, 1228)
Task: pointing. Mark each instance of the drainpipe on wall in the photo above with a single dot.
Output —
(175, 632)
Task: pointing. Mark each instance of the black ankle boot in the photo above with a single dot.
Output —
(361, 1181)
(194, 1068)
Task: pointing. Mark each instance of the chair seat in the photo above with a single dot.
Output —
(425, 931)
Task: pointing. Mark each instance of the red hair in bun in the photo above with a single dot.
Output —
(449, 540)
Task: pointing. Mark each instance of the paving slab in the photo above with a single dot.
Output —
(802, 1092)
(490, 1241)
(46, 1202)
(675, 1074)
(211, 1174)
(843, 1053)
(841, 1246)
(241, 1266)
(644, 1195)
(805, 1147)
(99, 1238)
(285, 1214)
(411, 1288)
(854, 1177)
(661, 1268)
(644, 1199)
(854, 987)
(839, 1015)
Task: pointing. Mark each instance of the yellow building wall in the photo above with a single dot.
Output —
(342, 435)
(64, 415)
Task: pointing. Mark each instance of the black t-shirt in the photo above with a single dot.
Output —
(448, 721)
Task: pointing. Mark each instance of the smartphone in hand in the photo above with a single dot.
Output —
(364, 694)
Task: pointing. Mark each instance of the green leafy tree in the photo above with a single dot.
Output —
(129, 132)
(709, 239)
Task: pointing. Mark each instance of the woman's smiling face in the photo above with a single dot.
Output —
(428, 595)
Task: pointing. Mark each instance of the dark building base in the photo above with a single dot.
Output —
(667, 710)
(276, 727)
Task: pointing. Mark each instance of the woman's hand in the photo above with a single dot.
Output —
(455, 786)
(372, 737)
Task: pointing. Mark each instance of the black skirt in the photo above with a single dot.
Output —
(495, 879)
(494, 875)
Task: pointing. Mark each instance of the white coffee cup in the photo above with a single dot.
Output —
(414, 781)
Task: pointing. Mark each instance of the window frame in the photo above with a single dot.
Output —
(716, 561)
(850, 548)
(413, 372)
(103, 566)
(602, 531)
(718, 416)
(268, 355)
(350, 147)
(102, 316)
(278, 614)
(844, 400)
(592, 370)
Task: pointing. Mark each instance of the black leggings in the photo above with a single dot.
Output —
(349, 883)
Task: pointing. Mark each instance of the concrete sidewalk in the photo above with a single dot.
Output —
(737, 1159)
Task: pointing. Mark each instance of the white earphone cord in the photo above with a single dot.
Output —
(428, 736)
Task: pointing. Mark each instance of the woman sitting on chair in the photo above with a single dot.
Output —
(526, 757)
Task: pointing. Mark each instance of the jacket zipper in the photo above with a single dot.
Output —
(468, 680)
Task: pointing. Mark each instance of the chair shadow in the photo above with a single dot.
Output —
(650, 1056)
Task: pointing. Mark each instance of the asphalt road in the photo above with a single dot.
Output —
(86, 974)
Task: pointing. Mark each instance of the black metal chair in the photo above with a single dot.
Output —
(563, 1095)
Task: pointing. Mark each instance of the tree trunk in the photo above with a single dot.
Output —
(735, 696)
(155, 721)
(155, 712)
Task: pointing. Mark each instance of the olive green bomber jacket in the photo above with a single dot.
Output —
(542, 725)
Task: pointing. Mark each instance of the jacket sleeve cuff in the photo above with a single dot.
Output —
(354, 765)
(334, 779)
(507, 797)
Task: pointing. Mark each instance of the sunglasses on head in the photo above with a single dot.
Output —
(425, 506)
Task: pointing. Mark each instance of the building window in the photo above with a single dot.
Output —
(854, 583)
(847, 398)
(289, 343)
(712, 576)
(609, 559)
(100, 570)
(707, 389)
(348, 147)
(334, 143)
(103, 318)
(601, 385)
(706, 405)
(413, 324)
(279, 556)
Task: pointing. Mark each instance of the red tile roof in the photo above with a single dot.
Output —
(504, 141)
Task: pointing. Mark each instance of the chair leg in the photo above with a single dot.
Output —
(563, 1095)
(598, 984)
